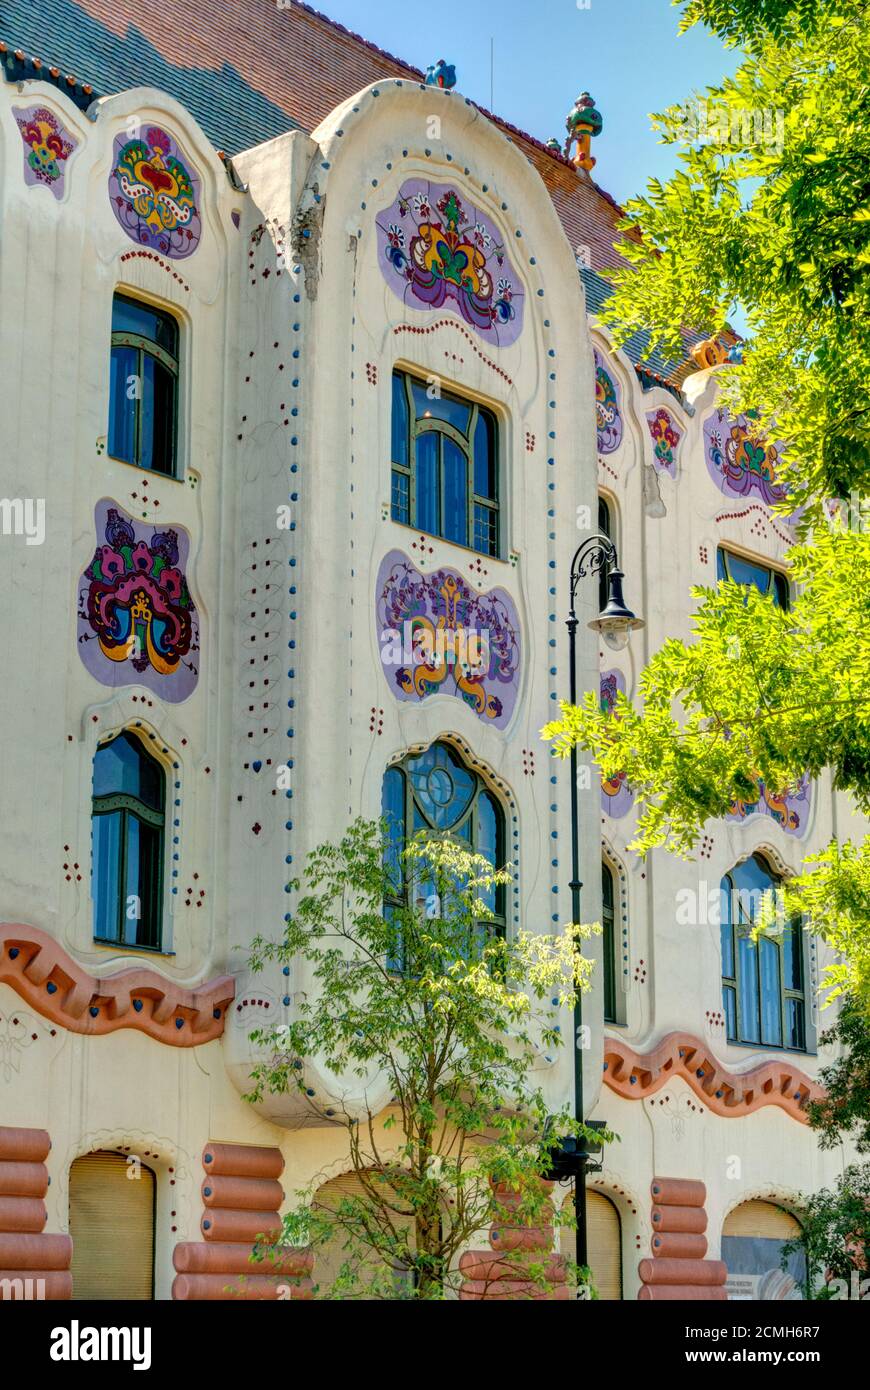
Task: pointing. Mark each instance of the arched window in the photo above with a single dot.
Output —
(436, 791)
(752, 1239)
(444, 465)
(143, 386)
(128, 826)
(762, 982)
(608, 942)
(111, 1221)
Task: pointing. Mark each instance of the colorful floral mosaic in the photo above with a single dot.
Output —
(47, 147)
(666, 440)
(155, 193)
(438, 636)
(617, 798)
(790, 810)
(738, 464)
(433, 247)
(608, 417)
(137, 623)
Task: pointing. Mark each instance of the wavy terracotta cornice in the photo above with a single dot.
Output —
(635, 1075)
(49, 980)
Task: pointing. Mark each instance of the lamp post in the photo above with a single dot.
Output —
(615, 623)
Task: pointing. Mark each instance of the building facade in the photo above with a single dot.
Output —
(288, 400)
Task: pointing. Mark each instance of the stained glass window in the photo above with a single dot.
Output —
(128, 824)
(143, 386)
(435, 791)
(444, 465)
(762, 981)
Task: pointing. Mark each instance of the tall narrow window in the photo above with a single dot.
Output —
(605, 526)
(143, 386)
(609, 945)
(128, 826)
(436, 792)
(444, 466)
(111, 1221)
(763, 995)
(746, 572)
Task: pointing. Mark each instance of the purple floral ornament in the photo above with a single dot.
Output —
(137, 623)
(437, 635)
(47, 147)
(433, 248)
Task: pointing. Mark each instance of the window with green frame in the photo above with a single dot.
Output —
(608, 917)
(763, 995)
(434, 791)
(128, 823)
(746, 572)
(445, 466)
(143, 386)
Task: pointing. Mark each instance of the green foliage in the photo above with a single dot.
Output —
(771, 213)
(835, 1235)
(845, 1107)
(455, 1036)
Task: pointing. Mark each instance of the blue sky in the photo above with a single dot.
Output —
(627, 53)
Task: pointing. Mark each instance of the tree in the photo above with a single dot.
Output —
(426, 998)
(772, 215)
(835, 1222)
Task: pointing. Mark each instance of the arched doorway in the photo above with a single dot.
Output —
(111, 1221)
(753, 1235)
(603, 1243)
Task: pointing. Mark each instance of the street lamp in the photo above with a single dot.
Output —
(615, 623)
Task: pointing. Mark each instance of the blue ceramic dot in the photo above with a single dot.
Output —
(137, 1005)
(51, 987)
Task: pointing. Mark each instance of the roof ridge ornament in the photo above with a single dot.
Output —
(583, 121)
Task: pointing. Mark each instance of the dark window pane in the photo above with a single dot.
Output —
(393, 810)
(488, 845)
(132, 316)
(792, 956)
(747, 964)
(141, 907)
(725, 931)
(609, 944)
(447, 408)
(721, 568)
(427, 483)
(794, 1017)
(485, 530)
(157, 427)
(729, 1007)
(455, 493)
(123, 377)
(771, 997)
(484, 456)
(106, 867)
(780, 591)
(123, 766)
(400, 502)
(605, 526)
(400, 434)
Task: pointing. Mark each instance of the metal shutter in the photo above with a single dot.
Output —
(603, 1244)
(111, 1221)
(761, 1219)
(332, 1255)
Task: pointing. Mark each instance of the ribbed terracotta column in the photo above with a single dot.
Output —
(502, 1272)
(35, 1265)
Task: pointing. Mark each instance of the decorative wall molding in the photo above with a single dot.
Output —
(241, 1198)
(634, 1076)
(678, 1271)
(37, 967)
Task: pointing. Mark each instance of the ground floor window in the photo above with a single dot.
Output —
(111, 1221)
(752, 1239)
(603, 1244)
